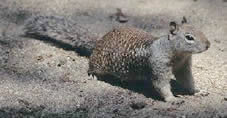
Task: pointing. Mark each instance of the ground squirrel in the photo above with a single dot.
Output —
(132, 54)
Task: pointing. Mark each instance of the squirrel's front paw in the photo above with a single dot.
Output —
(170, 99)
(173, 100)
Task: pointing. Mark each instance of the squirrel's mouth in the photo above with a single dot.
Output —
(200, 51)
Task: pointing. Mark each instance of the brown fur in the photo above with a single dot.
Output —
(115, 53)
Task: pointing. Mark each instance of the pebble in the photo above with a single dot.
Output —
(225, 98)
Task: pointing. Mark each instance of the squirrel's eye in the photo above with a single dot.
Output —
(189, 38)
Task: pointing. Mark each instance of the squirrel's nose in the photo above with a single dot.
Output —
(208, 45)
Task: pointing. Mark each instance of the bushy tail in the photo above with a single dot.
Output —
(61, 31)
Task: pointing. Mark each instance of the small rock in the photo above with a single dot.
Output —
(199, 67)
(138, 105)
(61, 62)
(224, 0)
(84, 81)
(59, 65)
(184, 20)
(222, 49)
(80, 95)
(23, 102)
(183, 116)
(39, 58)
(50, 55)
(179, 102)
(171, 109)
(129, 93)
(217, 41)
(66, 79)
(115, 110)
(119, 16)
(156, 109)
(85, 14)
(204, 94)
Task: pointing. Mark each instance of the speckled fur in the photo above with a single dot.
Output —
(131, 54)
(118, 52)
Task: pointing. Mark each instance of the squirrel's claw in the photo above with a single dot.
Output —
(92, 76)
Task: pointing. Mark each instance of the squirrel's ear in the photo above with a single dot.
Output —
(184, 20)
(173, 27)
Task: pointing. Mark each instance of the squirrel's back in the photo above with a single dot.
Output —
(61, 30)
(117, 52)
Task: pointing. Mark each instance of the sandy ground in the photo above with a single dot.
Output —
(41, 80)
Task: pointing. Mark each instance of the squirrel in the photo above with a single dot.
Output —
(131, 54)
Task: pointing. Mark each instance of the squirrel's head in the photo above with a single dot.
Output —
(186, 38)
